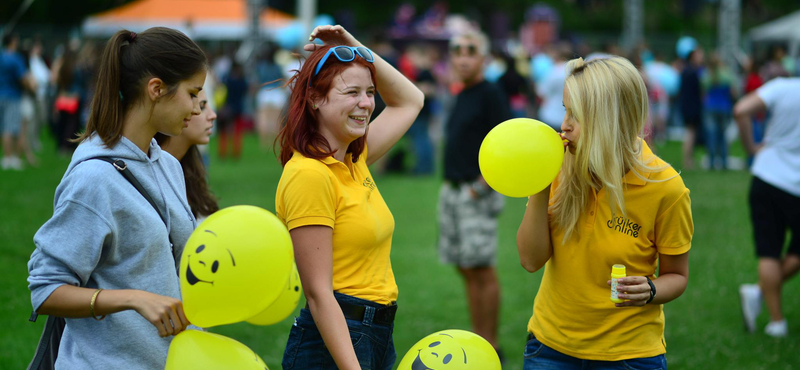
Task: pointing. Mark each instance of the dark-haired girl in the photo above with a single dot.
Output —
(106, 260)
(184, 148)
(340, 226)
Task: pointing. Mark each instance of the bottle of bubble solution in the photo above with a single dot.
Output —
(617, 272)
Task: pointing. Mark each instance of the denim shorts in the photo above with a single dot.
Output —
(372, 342)
(540, 357)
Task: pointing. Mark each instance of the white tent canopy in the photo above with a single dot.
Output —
(786, 29)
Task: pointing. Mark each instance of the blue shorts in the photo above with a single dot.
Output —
(10, 116)
(372, 342)
(540, 357)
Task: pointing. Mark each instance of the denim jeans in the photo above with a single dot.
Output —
(423, 148)
(372, 342)
(715, 124)
(541, 357)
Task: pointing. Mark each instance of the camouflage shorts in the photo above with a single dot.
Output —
(467, 226)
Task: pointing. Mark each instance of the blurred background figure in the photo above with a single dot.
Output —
(691, 103)
(774, 197)
(778, 64)
(271, 96)
(14, 78)
(68, 100)
(720, 92)
(421, 58)
(517, 88)
(551, 89)
(41, 75)
(231, 116)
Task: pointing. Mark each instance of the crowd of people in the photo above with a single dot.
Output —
(343, 109)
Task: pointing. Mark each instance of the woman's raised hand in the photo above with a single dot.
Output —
(330, 35)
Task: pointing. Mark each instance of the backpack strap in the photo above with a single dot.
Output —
(123, 169)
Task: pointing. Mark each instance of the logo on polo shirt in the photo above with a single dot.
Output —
(369, 184)
(624, 225)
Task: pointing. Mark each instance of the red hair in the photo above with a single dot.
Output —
(301, 132)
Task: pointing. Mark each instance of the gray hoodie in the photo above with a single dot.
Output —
(104, 234)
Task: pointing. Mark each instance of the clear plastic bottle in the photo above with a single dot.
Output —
(617, 272)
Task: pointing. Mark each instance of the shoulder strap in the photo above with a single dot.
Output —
(47, 349)
(123, 169)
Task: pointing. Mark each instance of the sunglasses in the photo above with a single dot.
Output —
(346, 54)
(469, 50)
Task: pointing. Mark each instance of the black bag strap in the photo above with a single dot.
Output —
(47, 350)
(123, 169)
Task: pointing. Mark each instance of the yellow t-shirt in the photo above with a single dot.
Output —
(572, 312)
(344, 197)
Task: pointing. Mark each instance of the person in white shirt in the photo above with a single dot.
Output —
(774, 196)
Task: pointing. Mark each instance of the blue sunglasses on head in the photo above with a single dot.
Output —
(346, 54)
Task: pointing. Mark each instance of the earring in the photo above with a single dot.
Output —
(315, 106)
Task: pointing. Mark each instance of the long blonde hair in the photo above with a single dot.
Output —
(608, 98)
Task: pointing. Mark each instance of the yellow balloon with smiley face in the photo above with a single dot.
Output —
(284, 305)
(235, 264)
(451, 350)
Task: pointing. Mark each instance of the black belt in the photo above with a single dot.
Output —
(383, 315)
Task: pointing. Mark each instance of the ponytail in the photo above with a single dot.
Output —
(106, 115)
(129, 61)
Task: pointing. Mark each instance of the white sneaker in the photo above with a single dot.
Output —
(777, 329)
(16, 163)
(5, 164)
(750, 295)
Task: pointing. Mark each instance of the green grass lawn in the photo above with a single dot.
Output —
(704, 328)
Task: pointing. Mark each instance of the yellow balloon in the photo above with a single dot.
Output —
(198, 350)
(284, 305)
(520, 157)
(451, 350)
(234, 265)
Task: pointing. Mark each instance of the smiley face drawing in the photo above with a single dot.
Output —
(206, 264)
(451, 350)
(234, 265)
(439, 354)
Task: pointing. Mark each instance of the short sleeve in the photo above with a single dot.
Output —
(770, 92)
(674, 227)
(308, 198)
(68, 248)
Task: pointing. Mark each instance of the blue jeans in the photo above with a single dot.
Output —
(423, 148)
(372, 342)
(541, 357)
(715, 124)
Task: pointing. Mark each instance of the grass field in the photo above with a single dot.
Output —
(704, 328)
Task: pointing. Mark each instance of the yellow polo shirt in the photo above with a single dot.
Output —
(572, 312)
(343, 196)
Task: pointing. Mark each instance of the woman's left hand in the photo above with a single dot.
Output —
(634, 289)
(330, 35)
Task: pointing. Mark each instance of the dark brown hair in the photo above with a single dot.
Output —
(301, 132)
(129, 61)
(201, 199)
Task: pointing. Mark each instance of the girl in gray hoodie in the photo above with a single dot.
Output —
(106, 260)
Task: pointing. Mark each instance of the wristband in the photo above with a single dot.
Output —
(652, 290)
